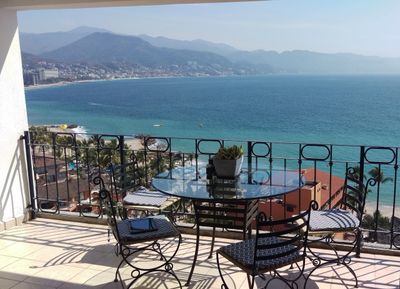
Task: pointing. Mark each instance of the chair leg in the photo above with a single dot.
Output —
(352, 272)
(118, 251)
(212, 244)
(170, 272)
(250, 280)
(117, 271)
(318, 264)
(137, 272)
(359, 237)
(223, 285)
(195, 256)
(157, 248)
(319, 261)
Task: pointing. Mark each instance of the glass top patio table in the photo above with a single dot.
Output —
(249, 187)
(182, 182)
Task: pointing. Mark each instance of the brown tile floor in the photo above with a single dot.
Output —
(56, 254)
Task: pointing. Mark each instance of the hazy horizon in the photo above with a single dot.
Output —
(198, 39)
(368, 28)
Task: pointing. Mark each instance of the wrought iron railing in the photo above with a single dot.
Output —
(61, 167)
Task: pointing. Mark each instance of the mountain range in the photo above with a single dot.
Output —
(98, 46)
(44, 42)
(113, 48)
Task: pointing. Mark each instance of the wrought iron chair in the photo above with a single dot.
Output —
(344, 218)
(126, 182)
(284, 244)
(229, 215)
(130, 244)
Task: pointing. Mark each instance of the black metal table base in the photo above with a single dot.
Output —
(249, 208)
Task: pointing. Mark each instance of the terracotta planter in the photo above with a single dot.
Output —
(228, 168)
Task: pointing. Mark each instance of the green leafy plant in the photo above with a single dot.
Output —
(229, 153)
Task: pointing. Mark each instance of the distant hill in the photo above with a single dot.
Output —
(196, 45)
(296, 61)
(99, 48)
(31, 60)
(93, 45)
(300, 61)
(43, 42)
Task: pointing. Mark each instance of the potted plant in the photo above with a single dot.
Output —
(228, 161)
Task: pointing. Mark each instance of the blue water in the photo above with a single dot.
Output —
(332, 109)
(317, 109)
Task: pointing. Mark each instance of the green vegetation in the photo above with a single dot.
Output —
(383, 222)
(378, 175)
(377, 220)
(229, 153)
(94, 154)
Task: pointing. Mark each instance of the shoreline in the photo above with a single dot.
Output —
(385, 210)
(65, 83)
(47, 85)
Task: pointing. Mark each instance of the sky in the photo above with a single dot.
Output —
(367, 27)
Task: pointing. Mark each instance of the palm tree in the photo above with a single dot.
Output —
(378, 175)
(96, 140)
(104, 159)
(355, 173)
(369, 221)
(377, 220)
(39, 135)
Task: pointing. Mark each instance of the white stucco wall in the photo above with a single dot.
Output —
(13, 122)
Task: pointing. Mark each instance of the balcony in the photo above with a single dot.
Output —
(51, 178)
(64, 165)
(47, 253)
(60, 250)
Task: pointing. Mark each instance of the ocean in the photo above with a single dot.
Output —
(351, 110)
(322, 109)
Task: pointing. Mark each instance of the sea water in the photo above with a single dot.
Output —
(324, 109)
(293, 108)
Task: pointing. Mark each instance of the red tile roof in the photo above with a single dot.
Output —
(329, 185)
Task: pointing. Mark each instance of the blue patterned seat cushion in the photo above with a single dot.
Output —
(333, 220)
(242, 255)
(165, 229)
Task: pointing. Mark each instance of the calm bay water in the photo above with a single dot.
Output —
(331, 109)
(317, 109)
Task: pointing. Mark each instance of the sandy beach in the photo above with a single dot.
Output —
(134, 144)
(48, 85)
(385, 210)
(80, 131)
(64, 83)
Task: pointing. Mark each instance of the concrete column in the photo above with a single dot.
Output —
(13, 122)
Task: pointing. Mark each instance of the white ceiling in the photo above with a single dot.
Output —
(54, 4)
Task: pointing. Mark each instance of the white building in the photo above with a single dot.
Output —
(45, 74)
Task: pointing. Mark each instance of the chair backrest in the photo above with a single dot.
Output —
(109, 206)
(355, 193)
(124, 177)
(227, 214)
(291, 235)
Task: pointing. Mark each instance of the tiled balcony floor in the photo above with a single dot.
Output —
(56, 254)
